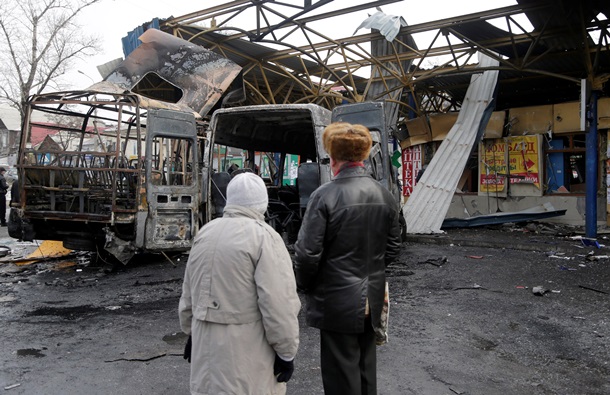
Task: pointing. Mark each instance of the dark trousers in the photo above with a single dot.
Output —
(349, 362)
(3, 208)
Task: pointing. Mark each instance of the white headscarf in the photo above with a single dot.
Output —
(248, 190)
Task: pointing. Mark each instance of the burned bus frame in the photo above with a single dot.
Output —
(124, 178)
(273, 131)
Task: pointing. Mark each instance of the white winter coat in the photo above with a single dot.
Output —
(240, 304)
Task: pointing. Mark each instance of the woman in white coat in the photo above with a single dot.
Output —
(239, 301)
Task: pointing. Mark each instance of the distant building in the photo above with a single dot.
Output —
(9, 143)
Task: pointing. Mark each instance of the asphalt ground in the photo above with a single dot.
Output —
(464, 319)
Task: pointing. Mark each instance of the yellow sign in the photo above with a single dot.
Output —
(513, 158)
(492, 154)
(523, 160)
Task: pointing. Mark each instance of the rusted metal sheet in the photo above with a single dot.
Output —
(171, 227)
(202, 75)
(427, 206)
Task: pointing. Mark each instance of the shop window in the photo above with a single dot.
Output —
(566, 164)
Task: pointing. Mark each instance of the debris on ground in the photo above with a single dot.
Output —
(597, 257)
(145, 357)
(593, 289)
(539, 290)
(4, 251)
(560, 257)
(590, 242)
(46, 250)
(475, 286)
(438, 262)
(80, 315)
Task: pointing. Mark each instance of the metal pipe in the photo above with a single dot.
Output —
(591, 171)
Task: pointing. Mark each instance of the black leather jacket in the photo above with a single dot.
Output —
(3, 185)
(349, 234)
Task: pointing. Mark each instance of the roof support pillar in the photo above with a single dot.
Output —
(591, 170)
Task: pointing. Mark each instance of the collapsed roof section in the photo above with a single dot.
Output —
(290, 56)
(569, 42)
(288, 60)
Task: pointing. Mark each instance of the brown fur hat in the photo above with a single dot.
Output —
(344, 141)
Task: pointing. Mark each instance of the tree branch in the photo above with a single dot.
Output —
(41, 40)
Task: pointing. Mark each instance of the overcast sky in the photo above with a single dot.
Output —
(113, 19)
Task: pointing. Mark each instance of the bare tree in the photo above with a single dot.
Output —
(39, 40)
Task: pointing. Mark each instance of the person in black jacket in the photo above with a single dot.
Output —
(350, 232)
(3, 190)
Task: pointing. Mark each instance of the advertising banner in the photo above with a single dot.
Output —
(492, 166)
(516, 159)
(523, 153)
(411, 165)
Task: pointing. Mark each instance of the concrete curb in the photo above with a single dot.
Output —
(557, 246)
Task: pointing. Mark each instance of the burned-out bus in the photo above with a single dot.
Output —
(269, 134)
(129, 181)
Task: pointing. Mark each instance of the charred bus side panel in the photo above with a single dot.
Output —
(71, 186)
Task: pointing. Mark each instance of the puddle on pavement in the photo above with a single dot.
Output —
(177, 338)
(31, 352)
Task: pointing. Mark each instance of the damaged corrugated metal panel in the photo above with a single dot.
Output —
(202, 75)
(535, 213)
(426, 208)
(387, 25)
(132, 40)
(383, 76)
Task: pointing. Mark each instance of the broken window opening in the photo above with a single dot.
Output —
(155, 87)
(468, 183)
(172, 160)
(566, 164)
